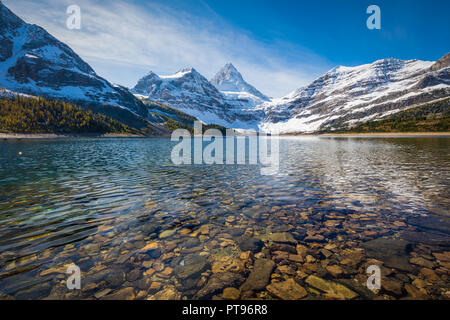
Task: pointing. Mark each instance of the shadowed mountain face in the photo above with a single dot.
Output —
(34, 62)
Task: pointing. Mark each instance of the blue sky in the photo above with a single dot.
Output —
(336, 30)
(278, 46)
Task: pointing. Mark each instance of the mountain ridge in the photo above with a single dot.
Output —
(345, 96)
(34, 62)
(342, 97)
(189, 91)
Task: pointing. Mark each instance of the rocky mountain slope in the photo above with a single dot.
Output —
(190, 92)
(341, 98)
(34, 62)
(429, 117)
(345, 96)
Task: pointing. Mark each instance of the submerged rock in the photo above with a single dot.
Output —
(191, 243)
(250, 244)
(392, 252)
(315, 238)
(444, 256)
(282, 237)
(228, 264)
(331, 287)
(415, 293)
(217, 283)
(166, 234)
(133, 275)
(169, 293)
(115, 279)
(335, 270)
(287, 290)
(392, 286)
(154, 253)
(429, 274)
(123, 294)
(92, 249)
(285, 269)
(422, 262)
(259, 276)
(193, 265)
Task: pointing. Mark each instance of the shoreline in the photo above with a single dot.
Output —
(13, 136)
(375, 134)
(20, 136)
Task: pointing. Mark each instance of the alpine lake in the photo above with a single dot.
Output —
(140, 227)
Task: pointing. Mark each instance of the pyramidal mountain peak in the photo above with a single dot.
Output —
(229, 79)
(231, 70)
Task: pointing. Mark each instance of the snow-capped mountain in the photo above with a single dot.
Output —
(230, 82)
(186, 83)
(236, 90)
(34, 62)
(190, 92)
(348, 95)
(340, 98)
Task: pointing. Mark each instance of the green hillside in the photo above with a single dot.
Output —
(40, 115)
(430, 117)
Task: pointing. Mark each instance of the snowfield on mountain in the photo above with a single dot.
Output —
(33, 62)
(342, 97)
(345, 96)
(190, 92)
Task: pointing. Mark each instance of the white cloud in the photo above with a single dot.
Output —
(122, 41)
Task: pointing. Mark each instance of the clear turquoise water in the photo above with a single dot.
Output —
(59, 196)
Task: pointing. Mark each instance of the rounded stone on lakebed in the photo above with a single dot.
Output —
(287, 290)
(194, 264)
(166, 234)
(250, 244)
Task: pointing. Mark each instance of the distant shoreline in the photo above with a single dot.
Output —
(13, 136)
(19, 136)
(372, 134)
(387, 134)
